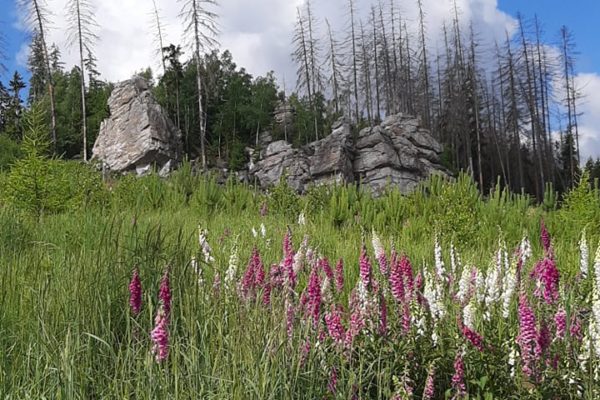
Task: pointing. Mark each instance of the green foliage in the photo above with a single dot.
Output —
(283, 200)
(581, 206)
(10, 151)
(38, 185)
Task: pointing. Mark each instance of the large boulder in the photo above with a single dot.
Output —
(331, 157)
(279, 159)
(138, 133)
(398, 152)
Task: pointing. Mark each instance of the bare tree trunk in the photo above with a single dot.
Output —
(376, 61)
(353, 38)
(39, 19)
(83, 108)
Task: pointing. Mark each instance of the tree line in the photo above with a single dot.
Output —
(505, 113)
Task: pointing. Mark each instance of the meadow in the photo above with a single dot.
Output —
(182, 288)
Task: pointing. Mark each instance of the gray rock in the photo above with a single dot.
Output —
(332, 158)
(397, 153)
(138, 133)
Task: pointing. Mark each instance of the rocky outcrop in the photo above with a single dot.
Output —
(398, 152)
(138, 133)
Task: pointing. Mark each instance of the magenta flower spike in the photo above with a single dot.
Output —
(429, 391)
(333, 321)
(135, 293)
(397, 282)
(545, 237)
(528, 338)
(164, 293)
(160, 336)
(458, 379)
(332, 384)
(546, 273)
(365, 267)
(288, 259)
(339, 275)
(408, 276)
(314, 296)
(324, 265)
(560, 320)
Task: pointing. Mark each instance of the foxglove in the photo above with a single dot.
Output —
(135, 293)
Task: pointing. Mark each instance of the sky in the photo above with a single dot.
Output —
(259, 33)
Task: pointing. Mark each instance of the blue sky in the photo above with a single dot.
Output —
(582, 17)
(258, 33)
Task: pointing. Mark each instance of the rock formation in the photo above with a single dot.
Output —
(397, 152)
(138, 133)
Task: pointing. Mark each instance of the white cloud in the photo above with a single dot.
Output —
(589, 123)
(258, 32)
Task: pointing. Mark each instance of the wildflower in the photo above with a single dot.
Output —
(380, 254)
(264, 209)
(160, 335)
(433, 295)
(468, 315)
(232, 267)
(301, 219)
(523, 253)
(217, 283)
(332, 384)
(527, 338)
(439, 263)
(365, 268)
(164, 293)
(508, 288)
(333, 322)
(288, 259)
(266, 297)
(259, 271)
(339, 275)
(560, 320)
(407, 275)
(453, 259)
(314, 296)
(289, 318)
(512, 360)
(584, 255)
(397, 282)
(545, 237)
(575, 329)
(135, 293)
(357, 323)
(196, 268)
(254, 233)
(324, 265)
(301, 254)
(472, 336)
(464, 285)
(406, 319)
(458, 379)
(429, 391)
(547, 276)
(254, 275)
(305, 350)
(204, 246)
(263, 230)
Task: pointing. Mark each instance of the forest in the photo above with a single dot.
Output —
(505, 113)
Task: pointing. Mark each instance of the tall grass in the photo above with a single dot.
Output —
(66, 331)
